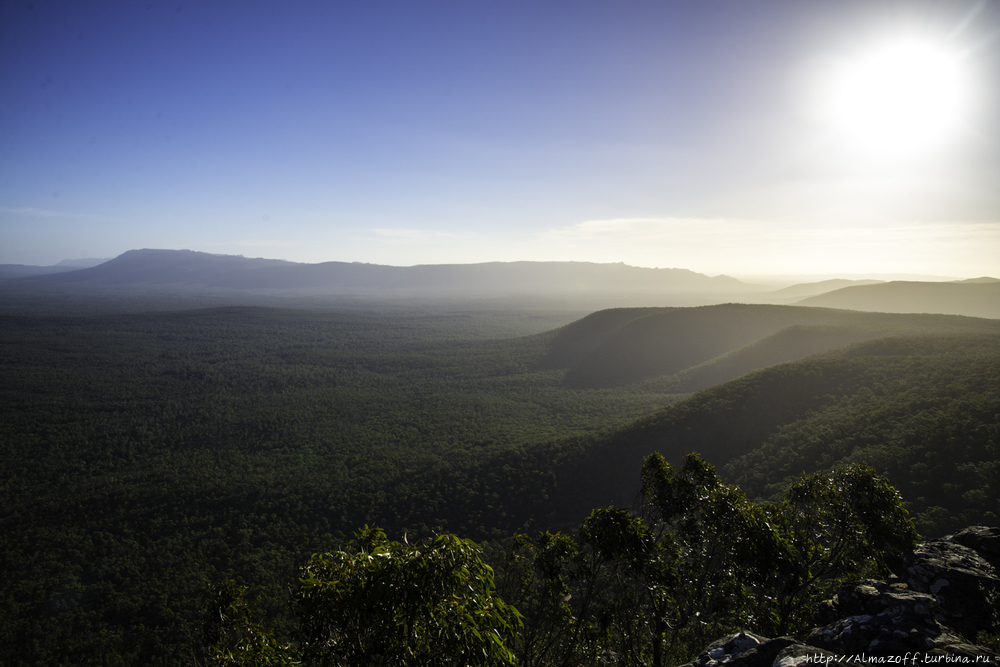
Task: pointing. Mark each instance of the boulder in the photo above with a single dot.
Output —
(878, 618)
(984, 540)
(964, 583)
(883, 635)
(870, 597)
(747, 649)
(948, 593)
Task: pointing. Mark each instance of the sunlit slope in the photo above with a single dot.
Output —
(979, 298)
(925, 410)
(931, 423)
(686, 349)
(804, 290)
(795, 342)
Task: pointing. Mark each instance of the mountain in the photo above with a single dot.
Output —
(14, 271)
(687, 349)
(983, 279)
(148, 456)
(978, 298)
(921, 410)
(185, 267)
(813, 289)
(82, 263)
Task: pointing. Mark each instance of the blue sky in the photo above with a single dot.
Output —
(672, 133)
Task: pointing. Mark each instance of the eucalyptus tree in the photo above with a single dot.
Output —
(384, 603)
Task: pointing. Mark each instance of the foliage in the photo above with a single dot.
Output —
(379, 602)
(924, 411)
(540, 577)
(990, 640)
(145, 457)
(725, 545)
(642, 580)
(700, 560)
(926, 414)
(686, 349)
(849, 524)
(234, 636)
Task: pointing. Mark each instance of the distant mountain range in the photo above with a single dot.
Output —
(8, 271)
(978, 297)
(235, 272)
(803, 290)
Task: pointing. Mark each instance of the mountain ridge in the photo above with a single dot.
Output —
(921, 409)
(687, 349)
(236, 272)
(979, 297)
(805, 290)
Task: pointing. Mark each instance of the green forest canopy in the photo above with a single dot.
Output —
(147, 457)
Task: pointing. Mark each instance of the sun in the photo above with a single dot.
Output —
(898, 100)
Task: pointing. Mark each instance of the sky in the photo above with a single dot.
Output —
(745, 137)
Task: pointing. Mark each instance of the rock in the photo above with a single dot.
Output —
(984, 540)
(800, 655)
(950, 592)
(749, 650)
(883, 635)
(876, 597)
(880, 618)
(727, 648)
(965, 584)
(764, 654)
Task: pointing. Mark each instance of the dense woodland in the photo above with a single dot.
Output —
(148, 458)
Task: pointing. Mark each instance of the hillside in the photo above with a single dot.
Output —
(687, 349)
(802, 290)
(976, 298)
(148, 456)
(14, 271)
(981, 279)
(924, 410)
(185, 267)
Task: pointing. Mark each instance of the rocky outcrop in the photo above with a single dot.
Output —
(749, 650)
(983, 540)
(877, 618)
(957, 571)
(947, 594)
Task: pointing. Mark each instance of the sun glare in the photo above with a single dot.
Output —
(899, 100)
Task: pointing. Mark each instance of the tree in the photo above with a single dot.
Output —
(592, 599)
(551, 581)
(834, 527)
(379, 602)
(642, 573)
(699, 560)
(723, 548)
(235, 637)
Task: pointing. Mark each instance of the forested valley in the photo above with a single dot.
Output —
(150, 458)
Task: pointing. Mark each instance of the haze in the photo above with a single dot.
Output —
(720, 137)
